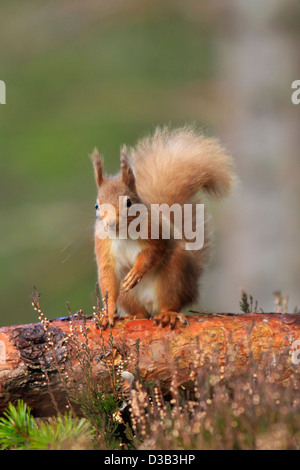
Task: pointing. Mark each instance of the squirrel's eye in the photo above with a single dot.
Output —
(128, 202)
(96, 206)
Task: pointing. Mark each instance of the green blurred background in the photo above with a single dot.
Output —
(103, 73)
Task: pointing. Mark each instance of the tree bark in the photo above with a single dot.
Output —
(33, 360)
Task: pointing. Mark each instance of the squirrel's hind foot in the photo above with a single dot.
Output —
(170, 318)
(108, 321)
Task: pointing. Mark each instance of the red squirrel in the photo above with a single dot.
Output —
(155, 276)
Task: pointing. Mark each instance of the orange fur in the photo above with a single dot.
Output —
(172, 166)
(157, 277)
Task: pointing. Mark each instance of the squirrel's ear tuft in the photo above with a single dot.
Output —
(128, 177)
(98, 166)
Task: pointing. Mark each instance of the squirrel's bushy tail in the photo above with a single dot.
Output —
(172, 166)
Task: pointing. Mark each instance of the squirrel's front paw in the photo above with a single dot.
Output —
(131, 280)
(107, 320)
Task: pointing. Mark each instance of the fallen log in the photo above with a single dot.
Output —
(34, 356)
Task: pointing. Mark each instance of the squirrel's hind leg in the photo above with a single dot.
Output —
(131, 307)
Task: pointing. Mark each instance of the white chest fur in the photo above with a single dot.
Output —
(126, 253)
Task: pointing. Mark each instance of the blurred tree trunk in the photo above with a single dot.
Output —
(258, 59)
(35, 361)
